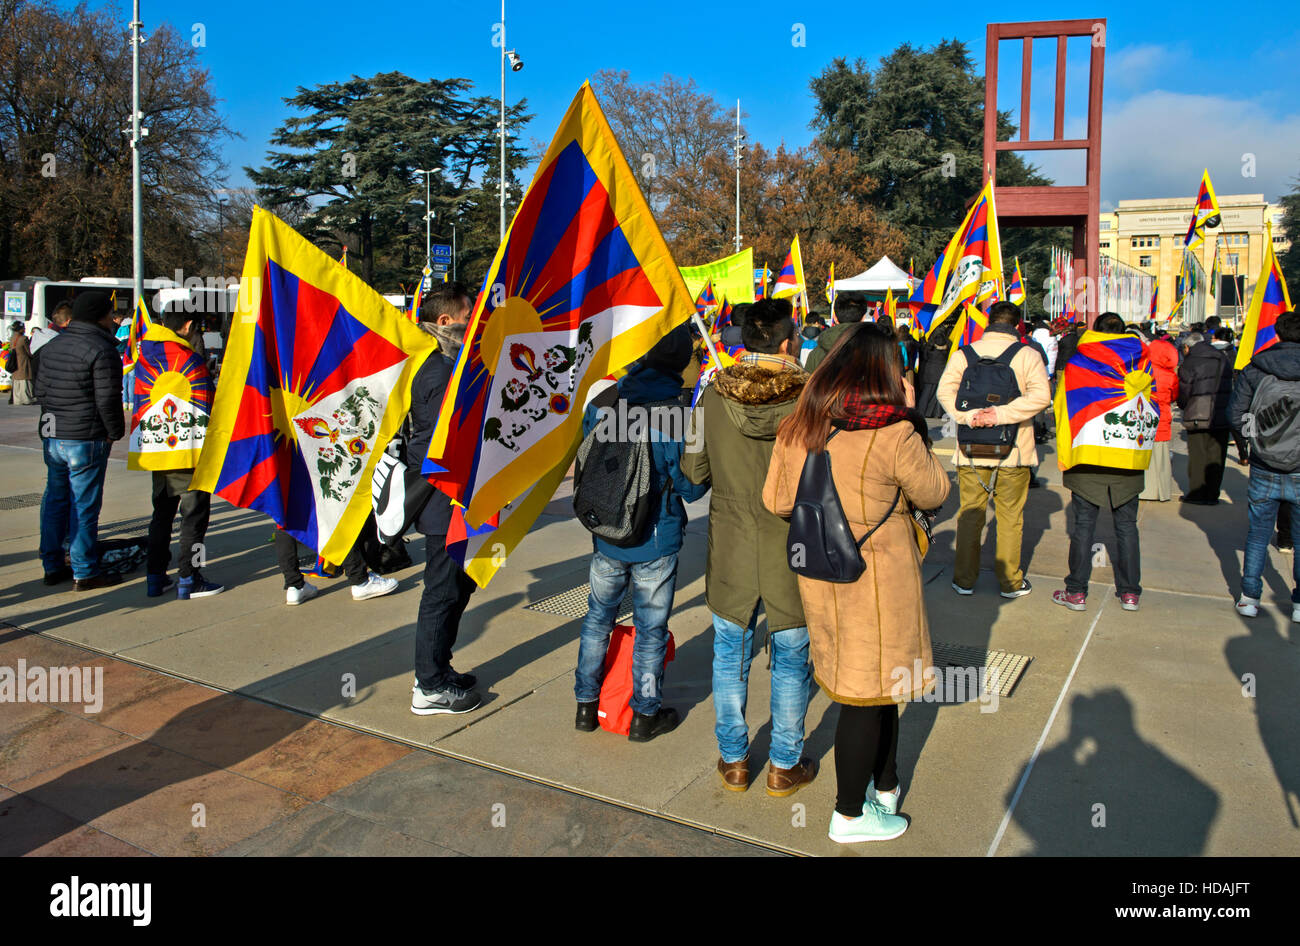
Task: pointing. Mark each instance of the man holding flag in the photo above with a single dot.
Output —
(438, 689)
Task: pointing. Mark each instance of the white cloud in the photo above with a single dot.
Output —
(1156, 145)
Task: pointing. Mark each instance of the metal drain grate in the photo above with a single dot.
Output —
(573, 603)
(125, 526)
(993, 667)
(21, 501)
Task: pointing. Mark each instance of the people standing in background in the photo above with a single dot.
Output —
(1159, 484)
(1204, 389)
(20, 356)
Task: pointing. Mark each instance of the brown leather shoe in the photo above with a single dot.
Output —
(783, 782)
(735, 775)
(102, 580)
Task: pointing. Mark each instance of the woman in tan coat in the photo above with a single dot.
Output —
(870, 641)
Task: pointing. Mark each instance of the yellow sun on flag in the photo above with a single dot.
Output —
(170, 382)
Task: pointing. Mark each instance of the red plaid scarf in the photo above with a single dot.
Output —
(864, 416)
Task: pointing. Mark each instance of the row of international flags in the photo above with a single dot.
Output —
(319, 366)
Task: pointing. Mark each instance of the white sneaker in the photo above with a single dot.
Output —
(875, 824)
(962, 591)
(294, 596)
(886, 800)
(1247, 607)
(1295, 613)
(376, 586)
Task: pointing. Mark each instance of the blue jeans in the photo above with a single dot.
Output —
(1267, 491)
(74, 493)
(653, 586)
(733, 651)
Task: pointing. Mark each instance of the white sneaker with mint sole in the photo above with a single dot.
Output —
(875, 824)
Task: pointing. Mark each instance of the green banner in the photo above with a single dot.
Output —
(733, 277)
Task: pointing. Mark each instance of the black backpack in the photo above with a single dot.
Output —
(613, 485)
(11, 359)
(820, 544)
(987, 382)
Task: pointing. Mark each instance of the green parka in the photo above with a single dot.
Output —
(730, 444)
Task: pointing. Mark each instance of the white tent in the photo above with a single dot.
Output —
(880, 277)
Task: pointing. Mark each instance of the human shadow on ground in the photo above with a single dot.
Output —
(1104, 790)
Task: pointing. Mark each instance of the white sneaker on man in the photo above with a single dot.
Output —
(1247, 607)
(874, 824)
(299, 595)
(1295, 613)
(376, 586)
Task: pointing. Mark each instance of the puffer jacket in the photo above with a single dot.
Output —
(1204, 388)
(640, 386)
(1282, 361)
(1164, 364)
(729, 447)
(79, 385)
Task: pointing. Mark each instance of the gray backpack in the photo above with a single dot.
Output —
(1275, 429)
(612, 486)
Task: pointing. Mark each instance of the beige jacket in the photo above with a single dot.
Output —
(868, 637)
(1035, 394)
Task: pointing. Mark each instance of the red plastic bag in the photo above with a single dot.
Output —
(615, 710)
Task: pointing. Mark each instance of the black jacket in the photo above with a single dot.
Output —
(1282, 361)
(426, 398)
(79, 383)
(1204, 388)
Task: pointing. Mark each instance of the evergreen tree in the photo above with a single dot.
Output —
(1290, 260)
(354, 158)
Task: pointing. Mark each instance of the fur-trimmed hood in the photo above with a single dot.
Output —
(752, 395)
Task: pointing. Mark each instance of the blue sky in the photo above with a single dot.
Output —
(1185, 87)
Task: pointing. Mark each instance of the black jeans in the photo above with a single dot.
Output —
(442, 602)
(1207, 451)
(286, 552)
(866, 747)
(1128, 553)
(171, 492)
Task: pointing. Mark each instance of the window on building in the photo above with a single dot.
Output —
(1105, 246)
(1145, 242)
(1105, 224)
(1144, 260)
(1232, 261)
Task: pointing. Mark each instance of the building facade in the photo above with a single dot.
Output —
(1148, 235)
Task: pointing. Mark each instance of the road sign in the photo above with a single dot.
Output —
(441, 251)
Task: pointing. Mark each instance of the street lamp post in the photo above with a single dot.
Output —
(740, 139)
(515, 65)
(428, 215)
(137, 133)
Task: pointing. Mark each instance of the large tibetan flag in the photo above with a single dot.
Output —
(1155, 298)
(316, 381)
(583, 285)
(1269, 300)
(171, 398)
(968, 269)
(724, 316)
(789, 279)
(1016, 290)
(140, 323)
(1204, 214)
(1106, 412)
(968, 329)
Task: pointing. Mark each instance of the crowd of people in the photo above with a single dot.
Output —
(798, 410)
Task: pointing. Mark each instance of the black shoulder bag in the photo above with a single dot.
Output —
(820, 544)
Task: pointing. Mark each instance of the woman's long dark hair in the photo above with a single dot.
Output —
(866, 361)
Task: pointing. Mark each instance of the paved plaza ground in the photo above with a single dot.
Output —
(1127, 733)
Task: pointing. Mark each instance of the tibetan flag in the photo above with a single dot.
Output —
(415, 302)
(789, 279)
(1204, 214)
(760, 285)
(891, 306)
(583, 285)
(1269, 300)
(316, 381)
(715, 357)
(1155, 296)
(968, 329)
(343, 257)
(830, 287)
(1016, 291)
(1106, 412)
(969, 267)
(724, 316)
(707, 300)
(140, 323)
(171, 398)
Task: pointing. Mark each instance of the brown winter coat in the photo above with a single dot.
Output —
(23, 352)
(729, 447)
(867, 637)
